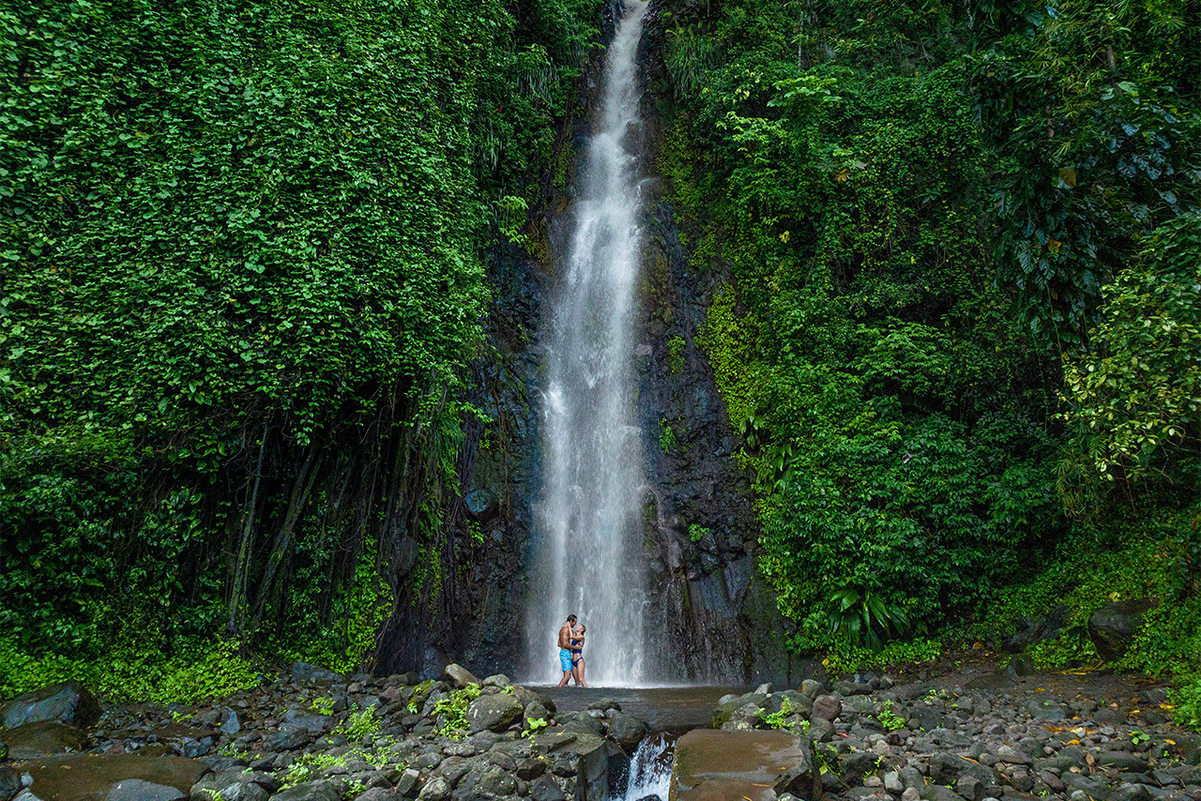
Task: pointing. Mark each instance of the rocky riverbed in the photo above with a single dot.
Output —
(991, 737)
(317, 736)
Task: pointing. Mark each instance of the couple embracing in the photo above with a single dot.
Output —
(571, 652)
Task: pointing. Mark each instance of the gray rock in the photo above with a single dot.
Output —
(826, 707)
(408, 783)
(436, 789)
(458, 676)
(627, 730)
(811, 688)
(1045, 709)
(10, 782)
(991, 681)
(546, 789)
(821, 730)
(1123, 760)
(496, 781)
(140, 790)
(303, 671)
(859, 764)
(928, 718)
(1130, 792)
(497, 680)
(68, 702)
(231, 725)
(970, 788)
(309, 791)
(604, 705)
(911, 794)
(378, 794)
(892, 782)
(1112, 627)
(936, 792)
(288, 739)
(493, 712)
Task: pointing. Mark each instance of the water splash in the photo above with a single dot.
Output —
(589, 515)
(650, 769)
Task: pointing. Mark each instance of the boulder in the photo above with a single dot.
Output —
(546, 789)
(309, 791)
(142, 790)
(493, 712)
(626, 730)
(826, 707)
(756, 765)
(68, 702)
(458, 676)
(1112, 627)
(42, 739)
(1036, 630)
(10, 782)
(303, 671)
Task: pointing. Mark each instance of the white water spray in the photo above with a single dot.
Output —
(650, 769)
(589, 514)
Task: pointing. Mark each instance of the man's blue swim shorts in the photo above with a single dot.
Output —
(565, 660)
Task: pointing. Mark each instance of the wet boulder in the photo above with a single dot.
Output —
(68, 702)
(42, 739)
(756, 765)
(626, 730)
(89, 776)
(303, 671)
(458, 676)
(493, 712)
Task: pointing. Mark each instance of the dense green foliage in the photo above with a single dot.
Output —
(917, 210)
(242, 250)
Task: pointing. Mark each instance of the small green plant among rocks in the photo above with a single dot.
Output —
(359, 724)
(534, 725)
(323, 706)
(889, 719)
(1187, 702)
(453, 709)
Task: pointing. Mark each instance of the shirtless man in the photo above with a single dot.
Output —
(565, 649)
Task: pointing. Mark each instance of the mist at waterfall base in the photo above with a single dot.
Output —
(589, 555)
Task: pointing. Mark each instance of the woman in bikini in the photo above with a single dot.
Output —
(577, 656)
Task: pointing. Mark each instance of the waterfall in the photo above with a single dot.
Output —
(588, 518)
(650, 769)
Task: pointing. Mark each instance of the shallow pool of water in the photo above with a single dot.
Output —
(673, 709)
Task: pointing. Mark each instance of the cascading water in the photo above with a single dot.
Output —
(589, 514)
(650, 769)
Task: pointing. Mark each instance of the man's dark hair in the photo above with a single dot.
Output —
(571, 618)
